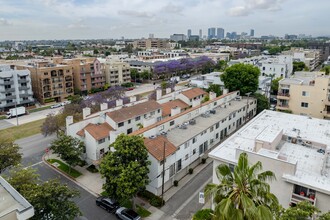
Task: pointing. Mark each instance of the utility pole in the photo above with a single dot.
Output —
(16, 113)
(163, 173)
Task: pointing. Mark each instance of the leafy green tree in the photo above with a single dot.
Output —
(145, 74)
(221, 65)
(242, 77)
(243, 193)
(51, 125)
(126, 169)
(215, 88)
(298, 66)
(262, 102)
(324, 216)
(303, 210)
(135, 74)
(95, 51)
(275, 84)
(107, 53)
(70, 149)
(50, 199)
(203, 214)
(9, 154)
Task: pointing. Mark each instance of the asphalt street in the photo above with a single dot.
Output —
(185, 202)
(33, 148)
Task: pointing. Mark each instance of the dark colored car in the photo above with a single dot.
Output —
(108, 204)
(127, 214)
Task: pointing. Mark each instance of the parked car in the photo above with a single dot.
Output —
(65, 103)
(127, 214)
(57, 105)
(272, 107)
(108, 204)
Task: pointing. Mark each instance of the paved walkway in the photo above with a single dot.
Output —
(93, 182)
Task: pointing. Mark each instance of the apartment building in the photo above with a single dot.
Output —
(50, 81)
(294, 147)
(98, 132)
(186, 137)
(305, 93)
(87, 74)
(151, 43)
(13, 204)
(311, 57)
(115, 71)
(15, 88)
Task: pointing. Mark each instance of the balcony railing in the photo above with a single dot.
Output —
(296, 198)
(24, 87)
(283, 94)
(6, 82)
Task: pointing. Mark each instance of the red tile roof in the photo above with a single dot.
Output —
(166, 107)
(155, 147)
(133, 111)
(98, 131)
(193, 93)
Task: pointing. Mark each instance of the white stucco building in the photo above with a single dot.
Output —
(296, 148)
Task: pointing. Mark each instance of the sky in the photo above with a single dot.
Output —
(105, 19)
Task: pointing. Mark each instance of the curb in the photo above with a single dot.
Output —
(68, 177)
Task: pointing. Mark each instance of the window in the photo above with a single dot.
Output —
(152, 113)
(194, 140)
(161, 162)
(211, 129)
(217, 136)
(101, 141)
(172, 170)
(186, 157)
(186, 144)
(194, 151)
(215, 103)
(45, 74)
(171, 123)
(217, 125)
(304, 93)
(179, 165)
(158, 110)
(138, 118)
(129, 121)
(129, 131)
(304, 104)
(121, 124)
(211, 141)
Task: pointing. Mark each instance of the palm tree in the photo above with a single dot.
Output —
(243, 194)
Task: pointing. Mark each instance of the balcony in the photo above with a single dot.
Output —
(68, 78)
(24, 87)
(296, 198)
(60, 72)
(82, 76)
(10, 89)
(282, 107)
(47, 94)
(10, 97)
(25, 95)
(285, 96)
(69, 90)
(46, 81)
(26, 101)
(6, 82)
(98, 81)
(69, 84)
(53, 73)
(23, 80)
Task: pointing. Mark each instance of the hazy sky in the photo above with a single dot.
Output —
(84, 19)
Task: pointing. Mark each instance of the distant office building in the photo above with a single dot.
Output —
(194, 37)
(211, 33)
(178, 37)
(220, 33)
(189, 33)
(150, 43)
(200, 33)
(252, 32)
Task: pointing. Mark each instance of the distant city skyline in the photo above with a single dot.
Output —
(94, 19)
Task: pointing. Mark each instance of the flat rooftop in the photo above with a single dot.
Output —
(311, 136)
(178, 136)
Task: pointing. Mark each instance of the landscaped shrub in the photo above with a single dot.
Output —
(203, 214)
(92, 169)
(203, 160)
(152, 198)
(156, 201)
(191, 170)
(176, 183)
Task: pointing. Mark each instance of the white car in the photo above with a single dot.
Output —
(65, 103)
(57, 105)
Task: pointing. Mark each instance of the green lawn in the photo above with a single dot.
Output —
(65, 168)
(142, 211)
(2, 117)
(22, 131)
(38, 109)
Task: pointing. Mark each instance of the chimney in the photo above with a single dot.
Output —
(212, 95)
(176, 110)
(119, 102)
(104, 106)
(68, 121)
(86, 112)
(132, 99)
(158, 94)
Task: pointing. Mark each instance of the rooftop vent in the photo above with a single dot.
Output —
(152, 137)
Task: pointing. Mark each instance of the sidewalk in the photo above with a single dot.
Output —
(92, 182)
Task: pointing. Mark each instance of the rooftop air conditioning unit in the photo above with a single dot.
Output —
(152, 137)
